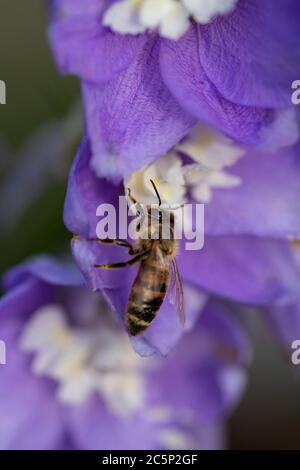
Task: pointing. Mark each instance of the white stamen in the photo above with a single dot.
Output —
(166, 173)
(170, 17)
(203, 11)
(98, 358)
(173, 438)
(123, 17)
(86, 360)
(213, 153)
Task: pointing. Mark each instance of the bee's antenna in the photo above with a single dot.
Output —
(156, 192)
(130, 197)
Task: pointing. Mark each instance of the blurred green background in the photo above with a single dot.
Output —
(36, 94)
(40, 130)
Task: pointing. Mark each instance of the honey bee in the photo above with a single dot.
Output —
(158, 269)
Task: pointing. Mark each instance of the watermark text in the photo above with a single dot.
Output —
(296, 93)
(295, 357)
(2, 92)
(2, 353)
(185, 222)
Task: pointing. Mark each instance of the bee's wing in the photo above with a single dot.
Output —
(176, 291)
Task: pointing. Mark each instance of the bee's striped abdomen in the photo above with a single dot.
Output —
(147, 295)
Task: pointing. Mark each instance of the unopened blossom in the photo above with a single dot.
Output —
(226, 66)
(73, 381)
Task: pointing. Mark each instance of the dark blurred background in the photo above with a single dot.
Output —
(40, 127)
(39, 108)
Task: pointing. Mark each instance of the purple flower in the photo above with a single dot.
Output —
(232, 68)
(72, 380)
(246, 255)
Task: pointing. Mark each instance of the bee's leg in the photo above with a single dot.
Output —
(130, 197)
(139, 207)
(118, 242)
(131, 249)
(111, 241)
(123, 264)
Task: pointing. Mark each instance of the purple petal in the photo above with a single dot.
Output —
(85, 193)
(213, 437)
(244, 269)
(61, 8)
(133, 119)
(221, 327)
(198, 385)
(205, 373)
(23, 299)
(82, 46)
(44, 268)
(93, 426)
(285, 323)
(253, 55)
(26, 402)
(265, 204)
(183, 73)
